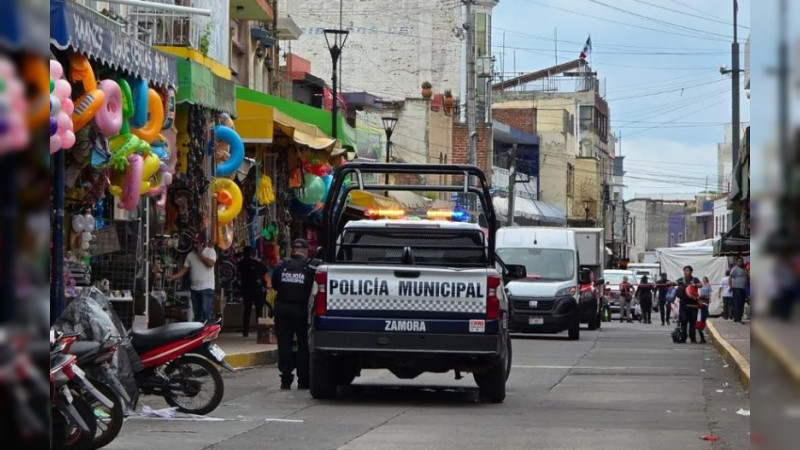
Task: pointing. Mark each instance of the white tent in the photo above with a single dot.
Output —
(699, 255)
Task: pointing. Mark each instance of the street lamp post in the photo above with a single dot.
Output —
(389, 123)
(332, 38)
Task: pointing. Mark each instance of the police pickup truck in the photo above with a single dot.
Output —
(407, 293)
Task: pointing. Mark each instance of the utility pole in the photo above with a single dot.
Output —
(512, 186)
(735, 96)
(471, 132)
(783, 117)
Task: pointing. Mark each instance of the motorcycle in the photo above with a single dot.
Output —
(96, 359)
(176, 358)
(23, 417)
(73, 423)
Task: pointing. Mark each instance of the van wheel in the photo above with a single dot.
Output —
(575, 332)
(322, 378)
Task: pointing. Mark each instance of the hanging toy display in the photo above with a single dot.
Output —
(14, 134)
(313, 190)
(34, 73)
(129, 198)
(155, 118)
(229, 136)
(87, 106)
(229, 200)
(169, 109)
(61, 110)
(139, 94)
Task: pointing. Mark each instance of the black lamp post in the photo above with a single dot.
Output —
(332, 38)
(389, 123)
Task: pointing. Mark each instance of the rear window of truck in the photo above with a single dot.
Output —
(444, 248)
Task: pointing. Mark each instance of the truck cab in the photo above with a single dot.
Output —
(402, 292)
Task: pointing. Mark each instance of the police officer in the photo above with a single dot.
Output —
(689, 304)
(292, 280)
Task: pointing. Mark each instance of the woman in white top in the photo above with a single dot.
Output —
(726, 294)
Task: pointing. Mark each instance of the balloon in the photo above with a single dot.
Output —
(328, 180)
(67, 139)
(62, 89)
(86, 236)
(55, 143)
(78, 223)
(64, 122)
(85, 245)
(314, 189)
(53, 126)
(306, 167)
(67, 106)
(55, 105)
(56, 70)
(320, 170)
(89, 221)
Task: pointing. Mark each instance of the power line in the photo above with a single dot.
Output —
(707, 17)
(653, 19)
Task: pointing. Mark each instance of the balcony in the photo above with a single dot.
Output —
(288, 30)
(251, 10)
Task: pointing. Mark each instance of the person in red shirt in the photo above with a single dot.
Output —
(626, 300)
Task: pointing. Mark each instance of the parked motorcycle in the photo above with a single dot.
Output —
(177, 364)
(24, 418)
(73, 422)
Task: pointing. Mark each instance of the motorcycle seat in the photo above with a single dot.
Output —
(85, 350)
(144, 340)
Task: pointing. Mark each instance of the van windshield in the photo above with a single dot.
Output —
(541, 264)
(615, 278)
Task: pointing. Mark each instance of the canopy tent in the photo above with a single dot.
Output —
(536, 212)
(699, 255)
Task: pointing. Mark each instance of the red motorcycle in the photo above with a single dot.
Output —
(177, 364)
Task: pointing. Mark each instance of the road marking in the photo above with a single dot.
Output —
(284, 420)
(601, 368)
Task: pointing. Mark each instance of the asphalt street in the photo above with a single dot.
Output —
(626, 386)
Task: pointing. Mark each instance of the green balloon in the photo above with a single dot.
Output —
(314, 189)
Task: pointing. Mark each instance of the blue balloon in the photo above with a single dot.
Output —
(139, 92)
(314, 189)
(226, 134)
(328, 180)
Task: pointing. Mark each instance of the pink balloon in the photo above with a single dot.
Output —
(167, 178)
(64, 121)
(62, 89)
(67, 106)
(56, 71)
(67, 139)
(55, 143)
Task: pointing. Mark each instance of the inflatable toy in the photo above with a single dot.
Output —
(109, 118)
(133, 178)
(35, 74)
(127, 105)
(87, 106)
(225, 236)
(169, 110)
(139, 94)
(124, 145)
(155, 118)
(225, 216)
(61, 108)
(227, 135)
(14, 133)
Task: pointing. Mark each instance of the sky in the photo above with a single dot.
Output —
(660, 62)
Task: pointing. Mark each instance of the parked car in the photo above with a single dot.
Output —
(613, 278)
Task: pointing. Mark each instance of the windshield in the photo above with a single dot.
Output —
(616, 278)
(543, 264)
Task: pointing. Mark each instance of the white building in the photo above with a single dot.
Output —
(725, 157)
(394, 46)
(722, 216)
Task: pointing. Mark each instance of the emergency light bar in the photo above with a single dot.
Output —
(385, 213)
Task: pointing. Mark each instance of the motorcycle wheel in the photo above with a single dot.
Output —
(108, 420)
(73, 437)
(195, 385)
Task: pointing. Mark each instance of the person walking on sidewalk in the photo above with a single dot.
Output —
(625, 300)
(662, 288)
(254, 290)
(705, 299)
(739, 280)
(200, 265)
(724, 291)
(293, 280)
(689, 304)
(644, 292)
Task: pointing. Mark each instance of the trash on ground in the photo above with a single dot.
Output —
(711, 438)
(743, 412)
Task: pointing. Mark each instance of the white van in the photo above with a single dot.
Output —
(546, 299)
(652, 270)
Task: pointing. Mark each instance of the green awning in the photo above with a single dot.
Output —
(197, 85)
(311, 115)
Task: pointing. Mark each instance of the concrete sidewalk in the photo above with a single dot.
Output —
(733, 342)
(780, 340)
(242, 352)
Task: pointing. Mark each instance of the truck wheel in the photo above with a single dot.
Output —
(492, 384)
(322, 378)
(592, 324)
(508, 360)
(599, 320)
(575, 332)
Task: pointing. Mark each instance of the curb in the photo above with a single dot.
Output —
(777, 351)
(731, 355)
(252, 359)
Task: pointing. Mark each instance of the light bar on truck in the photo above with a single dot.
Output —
(389, 213)
(456, 215)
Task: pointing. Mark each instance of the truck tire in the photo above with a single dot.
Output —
(599, 320)
(492, 384)
(592, 324)
(322, 378)
(574, 333)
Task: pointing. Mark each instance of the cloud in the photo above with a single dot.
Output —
(657, 167)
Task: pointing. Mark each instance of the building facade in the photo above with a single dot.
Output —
(654, 224)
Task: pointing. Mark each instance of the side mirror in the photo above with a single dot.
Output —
(515, 271)
(600, 282)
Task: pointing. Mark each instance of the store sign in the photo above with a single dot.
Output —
(86, 34)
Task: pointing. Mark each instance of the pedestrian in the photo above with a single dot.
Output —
(662, 288)
(705, 299)
(644, 292)
(626, 300)
(724, 291)
(200, 266)
(689, 303)
(739, 281)
(292, 281)
(252, 274)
